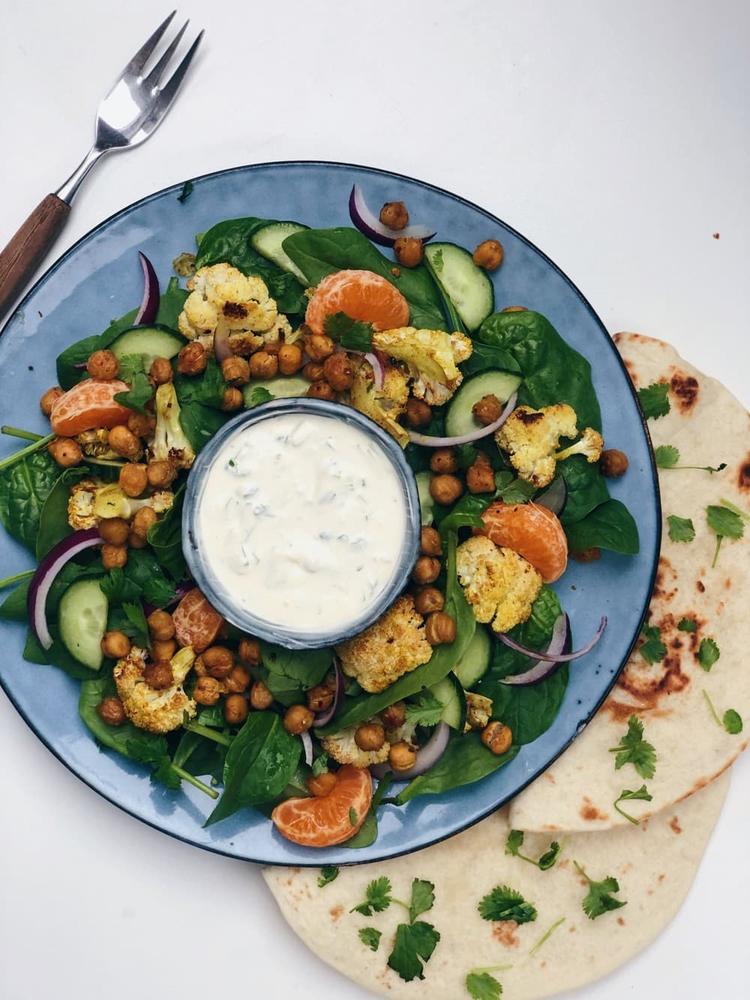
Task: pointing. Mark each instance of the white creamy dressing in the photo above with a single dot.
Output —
(302, 519)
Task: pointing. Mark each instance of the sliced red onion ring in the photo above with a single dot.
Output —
(179, 592)
(555, 496)
(46, 573)
(308, 747)
(446, 442)
(377, 369)
(325, 716)
(222, 350)
(368, 223)
(150, 302)
(549, 656)
(543, 668)
(427, 755)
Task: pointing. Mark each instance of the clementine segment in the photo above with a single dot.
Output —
(326, 820)
(89, 405)
(362, 295)
(195, 621)
(532, 531)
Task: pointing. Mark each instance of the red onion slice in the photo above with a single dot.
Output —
(150, 302)
(543, 668)
(377, 369)
(308, 747)
(550, 657)
(222, 350)
(446, 442)
(555, 496)
(45, 575)
(427, 756)
(325, 716)
(368, 223)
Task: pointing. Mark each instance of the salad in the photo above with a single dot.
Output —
(501, 426)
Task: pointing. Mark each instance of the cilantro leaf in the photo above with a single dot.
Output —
(138, 625)
(483, 986)
(350, 333)
(725, 523)
(370, 937)
(328, 874)
(687, 625)
(634, 749)
(517, 491)
(504, 903)
(422, 898)
(514, 843)
(118, 588)
(628, 794)
(320, 764)
(599, 898)
(140, 392)
(681, 529)
(653, 649)
(513, 846)
(425, 710)
(654, 400)
(377, 897)
(165, 774)
(129, 366)
(414, 945)
(257, 395)
(548, 859)
(666, 456)
(187, 190)
(732, 722)
(708, 653)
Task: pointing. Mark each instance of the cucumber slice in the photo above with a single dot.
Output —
(83, 621)
(149, 342)
(466, 285)
(475, 661)
(268, 242)
(459, 419)
(451, 694)
(283, 387)
(426, 503)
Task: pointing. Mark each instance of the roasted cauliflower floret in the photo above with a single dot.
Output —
(110, 501)
(590, 446)
(343, 748)
(478, 711)
(156, 711)
(500, 585)
(393, 646)
(81, 503)
(382, 405)
(170, 442)
(432, 357)
(531, 438)
(223, 299)
(95, 444)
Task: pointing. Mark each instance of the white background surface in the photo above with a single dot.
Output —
(616, 136)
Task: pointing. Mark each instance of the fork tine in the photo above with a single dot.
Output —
(139, 60)
(153, 78)
(169, 91)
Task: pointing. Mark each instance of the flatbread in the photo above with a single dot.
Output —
(655, 865)
(709, 426)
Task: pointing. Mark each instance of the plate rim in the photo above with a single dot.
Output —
(652, 468)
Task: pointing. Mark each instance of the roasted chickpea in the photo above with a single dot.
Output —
(161, 474)
(207, 691)
(497, 737)
(236, 370)
(144, 519)
(409, 251)
(124, 442)
(418, 413)
(369, 736)
(161, 625)
(115, 644)
(136, 541)
(114, 556)
(426, 570)
(298, 719)
(429, 542)
(321, 390)
(141, 424)
(218, 661)
(114, 530)
(249, 652)
(238, 680)
(66, 452)
(232, 400)
(487, 410)
(445, 489)
(586, 555)
(159, 675)
(192, 359)
(440, 629)
(313, 371)
(613, 463)
(319, 346)
(444, 460)
(263, 365)
(103, 364)
(133, 479)
(260, 697)
(394, 215)
(290, 359)
(402, 756)
(323, 784)
(163, 649)
(394, 716)
(160, 371)
(235, 709)
(429, 599)
(339, 372)
(489, 255)
(272, 347)
(514, 309)
(49, 399)
(319, 698)
(480, 478)
(111, 711)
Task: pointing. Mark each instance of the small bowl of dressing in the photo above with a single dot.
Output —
(301, 522)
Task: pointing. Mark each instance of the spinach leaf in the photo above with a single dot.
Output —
(206, 389)
(466, 759)
(56, 656)
(318, 252)
(307, 667)
(53, 520)
(143, 570)
(259, 764)
(117, 588)
(170, 304)
(200, 756)
(610, 526)
(13, 607)
(200, 423)
(165, 538)
(24, 488)
(486, 357)
(586, 488)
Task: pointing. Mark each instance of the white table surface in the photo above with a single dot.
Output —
(615, 135)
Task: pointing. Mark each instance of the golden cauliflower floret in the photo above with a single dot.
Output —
(223, 299)
(382, 405)
(393, 646)
(81, 504)
(96, 444)
(344, 750)
(500, 585)
(156, 711)
(432, 357)
(531, 438)
(478, 711)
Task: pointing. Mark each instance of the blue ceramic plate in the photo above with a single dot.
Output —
(100, 278)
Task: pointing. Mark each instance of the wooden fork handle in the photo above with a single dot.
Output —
(21, 257)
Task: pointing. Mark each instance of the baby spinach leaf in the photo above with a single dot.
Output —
(13, 607)
(200, 423)
(53, 520)
(56, 656)
(466, 760)
(143, 570)
(307, 667)
(171, 301)
(586, 488)
(206, 389)
(117, 588)
(165, 538)
(486, 357)
(24, 488)
(610, 526)
(68, 371)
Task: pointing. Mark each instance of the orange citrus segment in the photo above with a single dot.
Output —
(362, 295)
(88, 405)
(195, 621)
(532, 531)
(330, 819)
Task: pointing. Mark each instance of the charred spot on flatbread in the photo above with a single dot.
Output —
(665, 584)
(647, 687)
(743, 476)
(504, 931)
(685, 389)
(674, 825)
(590, 813)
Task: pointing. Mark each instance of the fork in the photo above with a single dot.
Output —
(134, 107)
